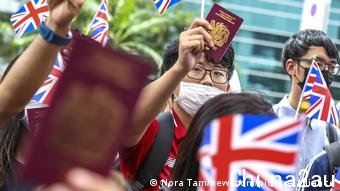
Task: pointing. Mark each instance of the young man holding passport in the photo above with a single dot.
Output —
(196, 76)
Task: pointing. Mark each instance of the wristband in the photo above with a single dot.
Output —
(53, 37)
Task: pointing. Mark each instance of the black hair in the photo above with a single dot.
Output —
(298, 45)
(170, 57)
(186, 166)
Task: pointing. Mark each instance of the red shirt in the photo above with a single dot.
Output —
(132, 158)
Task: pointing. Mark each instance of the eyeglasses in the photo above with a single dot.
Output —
(332, 66)
(218, 76)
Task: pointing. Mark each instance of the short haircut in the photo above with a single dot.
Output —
(170, 57)
(298, 45)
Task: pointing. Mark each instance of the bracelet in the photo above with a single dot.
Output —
(53, 37)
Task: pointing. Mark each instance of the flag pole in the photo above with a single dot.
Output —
(298, 106)
(202, 8)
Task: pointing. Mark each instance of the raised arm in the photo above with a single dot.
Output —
(155, 95)
(33, 66)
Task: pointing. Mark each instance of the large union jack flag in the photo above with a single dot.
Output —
(28, 17)
(316, 92)
(163, 5)
(251, 148)
(47, 89)
(100, 24)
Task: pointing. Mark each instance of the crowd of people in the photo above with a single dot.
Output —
(192, 90)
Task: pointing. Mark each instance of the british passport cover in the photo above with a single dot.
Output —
(89, 114)
(225, 24)
(36, 113)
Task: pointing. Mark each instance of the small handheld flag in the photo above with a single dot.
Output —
(100, 24)
(163, 5)
(316, 92)
(28, 17)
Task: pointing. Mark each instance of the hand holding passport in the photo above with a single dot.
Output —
(89, 114)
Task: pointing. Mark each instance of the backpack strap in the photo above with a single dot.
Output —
(331, 133)
(333, 153)
(158, 153)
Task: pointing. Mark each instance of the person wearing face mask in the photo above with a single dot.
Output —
(297, 55)
(170, 56)
(191, 78)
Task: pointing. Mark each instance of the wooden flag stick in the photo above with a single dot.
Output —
(298, 107)
(202, 9)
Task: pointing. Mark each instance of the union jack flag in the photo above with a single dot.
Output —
(100, 24)
(316, 92)
(162, 5)
(248, 152)
(28, 17)
(47, 89)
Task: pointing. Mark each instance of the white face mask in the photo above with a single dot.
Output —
(192, 96)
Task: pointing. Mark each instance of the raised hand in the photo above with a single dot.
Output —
(192, 43)
(61, 14)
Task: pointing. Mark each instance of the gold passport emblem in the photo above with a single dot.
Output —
(219, 33)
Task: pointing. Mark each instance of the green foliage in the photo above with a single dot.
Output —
(10, 44)
(143, 31)
(135, 26)
(122, 11)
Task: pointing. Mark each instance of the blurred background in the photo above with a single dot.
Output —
(135, 26)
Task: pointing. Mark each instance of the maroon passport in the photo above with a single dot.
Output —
(225, 24)
(36, 114)
(89, 114)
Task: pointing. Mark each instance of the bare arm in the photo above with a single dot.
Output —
(33, 66)
(155, 95)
